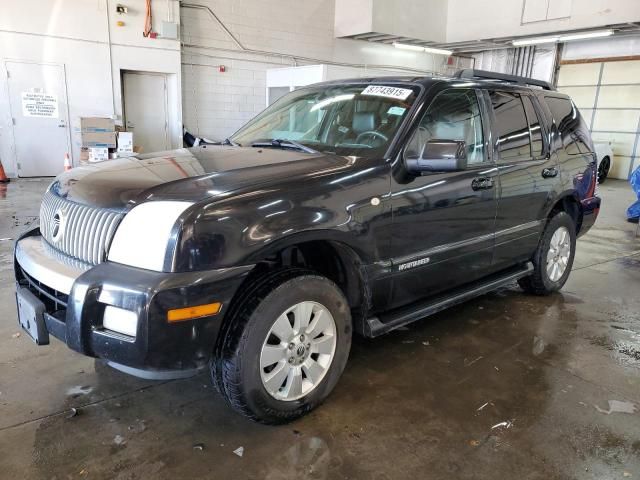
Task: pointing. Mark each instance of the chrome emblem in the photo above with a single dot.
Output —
(57, 227)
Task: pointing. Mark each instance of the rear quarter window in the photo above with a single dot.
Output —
(573, 130)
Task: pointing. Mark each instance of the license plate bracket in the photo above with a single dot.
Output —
(31, 316)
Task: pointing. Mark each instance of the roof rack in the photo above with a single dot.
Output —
(471, 73)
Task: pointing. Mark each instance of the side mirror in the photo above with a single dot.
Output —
(438, 156)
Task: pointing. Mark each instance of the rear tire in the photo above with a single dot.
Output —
(603, 169)
(285, 347)
(553, 259)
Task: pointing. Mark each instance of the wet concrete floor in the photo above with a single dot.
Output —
(506, 386)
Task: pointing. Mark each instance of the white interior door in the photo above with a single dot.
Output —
(145, 110)
(37, 98)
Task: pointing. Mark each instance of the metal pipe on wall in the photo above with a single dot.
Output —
(293, 58)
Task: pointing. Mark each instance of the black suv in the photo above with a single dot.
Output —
(355, 205)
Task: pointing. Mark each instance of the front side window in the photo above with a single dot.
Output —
(345, 119)
(513, 130)
(453, 115)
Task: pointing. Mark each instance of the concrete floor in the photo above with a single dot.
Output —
(507, 386)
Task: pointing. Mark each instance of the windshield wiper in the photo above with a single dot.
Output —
(281, 143)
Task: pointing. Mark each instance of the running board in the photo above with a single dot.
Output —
(386, 322)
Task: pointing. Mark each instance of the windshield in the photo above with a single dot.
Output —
(346, 119)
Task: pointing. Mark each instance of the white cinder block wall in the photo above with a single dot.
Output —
(215, 104)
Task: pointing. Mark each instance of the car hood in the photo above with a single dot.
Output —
(189, 174)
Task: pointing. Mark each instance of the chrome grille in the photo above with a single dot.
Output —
(80, 231)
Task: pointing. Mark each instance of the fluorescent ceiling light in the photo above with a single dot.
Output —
(418, 48)
(404, 46)
(562, 38)
(439, 51)
(585, 35)
(534, 41)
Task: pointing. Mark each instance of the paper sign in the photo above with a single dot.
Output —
(391, 92)
(395, 110)
(39, 105)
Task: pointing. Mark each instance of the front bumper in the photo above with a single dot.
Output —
(75, 296)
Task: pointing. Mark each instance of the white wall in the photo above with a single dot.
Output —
(216, 104)
(82, 36)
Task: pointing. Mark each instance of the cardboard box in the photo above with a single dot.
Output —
(97, 139)
(125, 142)
(95, 132)
(84, 154)
(94, 124)
(98, 154)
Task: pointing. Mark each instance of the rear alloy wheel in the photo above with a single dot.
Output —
(553, 259)
(603, 169)
(558, 254)
(285, 345)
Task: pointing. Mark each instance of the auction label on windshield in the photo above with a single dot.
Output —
(391, 92)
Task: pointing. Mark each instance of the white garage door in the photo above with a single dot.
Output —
(608, 95)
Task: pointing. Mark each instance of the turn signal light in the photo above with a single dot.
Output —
(189, 313)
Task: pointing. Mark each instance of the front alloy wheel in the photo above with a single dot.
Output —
(298, 351)
(284, 345)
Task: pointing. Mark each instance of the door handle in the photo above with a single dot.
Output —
(482, 183)
(549, 172)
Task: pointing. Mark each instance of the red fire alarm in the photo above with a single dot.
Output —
(222, 68)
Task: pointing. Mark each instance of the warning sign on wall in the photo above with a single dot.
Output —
(39, 105)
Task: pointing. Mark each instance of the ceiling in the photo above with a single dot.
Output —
(624, 29)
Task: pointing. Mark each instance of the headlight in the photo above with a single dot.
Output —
(143, 236)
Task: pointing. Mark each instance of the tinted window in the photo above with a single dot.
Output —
(512, 126)
(453, 115)
(535, 128)
(573, 130)
(345, 119)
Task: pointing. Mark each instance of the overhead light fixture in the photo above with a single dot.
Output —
(534, 41)
(585, 35)
(405, 46)
(438, 51)
(418, 48)
(562, 38)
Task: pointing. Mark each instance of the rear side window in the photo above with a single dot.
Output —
(573, 130)
(535, 129)
(511, 123)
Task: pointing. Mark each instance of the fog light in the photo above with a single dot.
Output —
(120, 320)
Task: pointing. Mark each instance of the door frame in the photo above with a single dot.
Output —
(65, 107)
(167, 137)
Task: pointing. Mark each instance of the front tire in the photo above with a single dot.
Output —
(553, 259)
(286, 346)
